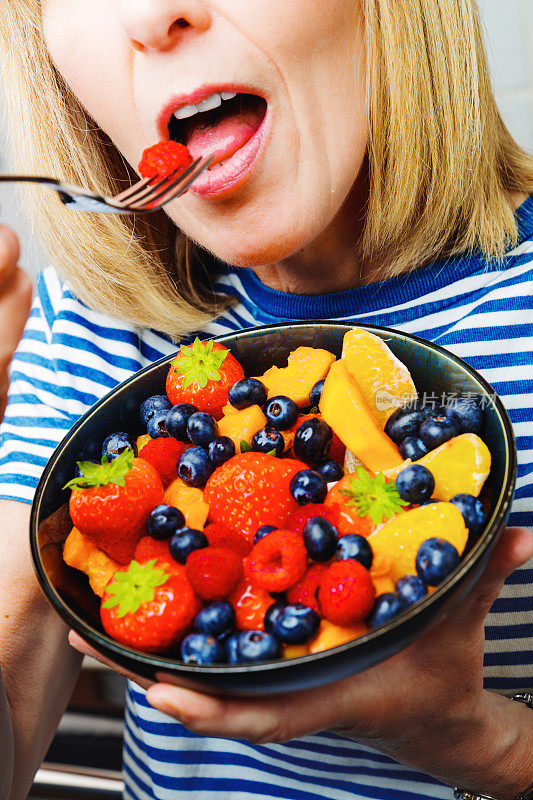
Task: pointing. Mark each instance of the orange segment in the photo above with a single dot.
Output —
(400, 538)
(190, 502)
(384, 381)
(142, 440)
(344, 408)
(305, 366)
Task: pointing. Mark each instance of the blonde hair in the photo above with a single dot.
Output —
(442, 164)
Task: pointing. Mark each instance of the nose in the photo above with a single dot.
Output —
(158, 24)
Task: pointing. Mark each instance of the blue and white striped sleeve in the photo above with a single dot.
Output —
(39, 411)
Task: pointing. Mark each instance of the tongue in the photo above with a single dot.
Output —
(225, 136)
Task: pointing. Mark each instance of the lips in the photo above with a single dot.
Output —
(232, 130)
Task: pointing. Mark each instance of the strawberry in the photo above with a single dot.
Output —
(219, 535)
(251, 490)
(251, 603)
(303, 514)
(147, 607)
(163, 159)
(277, 561)
(163, 453)
(346, 593)
(149, 548)
(363, 501)
(111, 501)
(202, 374)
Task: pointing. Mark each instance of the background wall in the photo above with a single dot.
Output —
(509, 34)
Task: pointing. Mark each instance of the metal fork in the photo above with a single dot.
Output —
(144, 196)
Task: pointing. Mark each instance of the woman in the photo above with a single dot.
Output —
(364, 173)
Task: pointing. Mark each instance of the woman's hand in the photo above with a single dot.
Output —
(425, 707)
(15, 304)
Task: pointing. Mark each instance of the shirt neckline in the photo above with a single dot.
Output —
(381, 294)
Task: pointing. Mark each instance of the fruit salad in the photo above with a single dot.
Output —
(276, 515)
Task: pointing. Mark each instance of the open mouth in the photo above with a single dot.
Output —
(219, 125)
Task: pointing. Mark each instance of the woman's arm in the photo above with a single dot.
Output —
(39, 669)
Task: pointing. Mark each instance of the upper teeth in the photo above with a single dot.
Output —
(213, 101)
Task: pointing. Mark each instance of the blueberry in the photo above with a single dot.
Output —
(406, 420)
(312, 441)
(201, 429)
(220, 450)
(247, 392)
(156, 425)
(411, 588)
(412, 447)
(296, 624)
(263, 531)
(387, 605)
(436, 430)
(320, 538)
(216, 619)
(231, 644)
(184, 542)
(316, 392)
(194, 467)
(272, 614)
(164, 521)
(330, 470)
(435, 559)
(268, 439)
(177, 419)
(257, 646)
(473, 512)
(467, 413)
(415, 483)
(307, 486)
(159, 402)
(201, 648)
(281, 412)
(430, 502)
(115, 444)
(357, 547)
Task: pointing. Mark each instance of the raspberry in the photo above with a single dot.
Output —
(149, 548)
(305, 591)
(251, 603)
(277, 561)
(220, 535)
(213, 572)
(163, 159)
(346, 593)
(299, 517)
(163, 453)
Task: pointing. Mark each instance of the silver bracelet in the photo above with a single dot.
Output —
(528, 794)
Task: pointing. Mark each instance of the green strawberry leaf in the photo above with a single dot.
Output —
(199, 363)
(102, 474)
(271, 452)
(134, 586)
(373, 497)
(245, 447)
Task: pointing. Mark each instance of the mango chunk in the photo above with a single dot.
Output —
(400, 538)
(79, 552)
(330, 635)
(346, 411)
(459, 466)
(242, 425)
(305, 366)
(143, 440)
(190, 502)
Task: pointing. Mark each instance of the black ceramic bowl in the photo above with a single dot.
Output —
(433, 370)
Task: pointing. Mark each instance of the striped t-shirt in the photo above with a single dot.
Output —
(70, 356)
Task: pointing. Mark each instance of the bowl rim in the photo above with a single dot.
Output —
(167, 664)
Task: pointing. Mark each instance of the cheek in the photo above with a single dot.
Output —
(89, 51)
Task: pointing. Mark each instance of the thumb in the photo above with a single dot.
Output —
(513, 549)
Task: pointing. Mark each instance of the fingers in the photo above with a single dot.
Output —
(83, 647)
(258, 720)
(9, 253)
(513, 549)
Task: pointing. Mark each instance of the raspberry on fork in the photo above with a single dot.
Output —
(163, 159)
